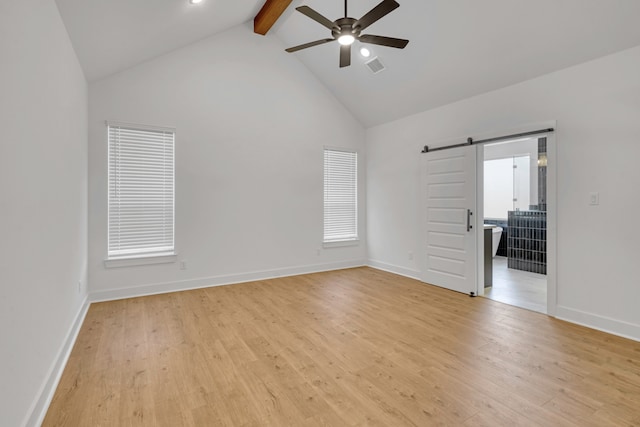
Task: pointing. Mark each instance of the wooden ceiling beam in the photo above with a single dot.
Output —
(268, 15)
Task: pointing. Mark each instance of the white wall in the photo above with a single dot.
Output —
(251, 125)
(597, 108)
(527, 147)
(498, 188)
(43, 204)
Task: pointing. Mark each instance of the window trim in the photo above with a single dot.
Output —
(141, 258)
(351, 241)
(160, 258)
(340, 243)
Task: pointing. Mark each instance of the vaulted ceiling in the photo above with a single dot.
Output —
(112, 35)
(457, 49)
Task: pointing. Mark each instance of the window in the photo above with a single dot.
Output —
(340, 195)
(141, 191)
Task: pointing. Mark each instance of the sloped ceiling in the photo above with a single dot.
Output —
(460, 48)
(457, 49)
(112, 35)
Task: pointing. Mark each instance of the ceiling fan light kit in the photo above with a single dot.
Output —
(346, 39)
(347, 30)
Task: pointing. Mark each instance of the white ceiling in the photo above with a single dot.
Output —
(457, 49)
(111, 35)
(460, 48)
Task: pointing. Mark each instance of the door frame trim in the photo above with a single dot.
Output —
(552, 210)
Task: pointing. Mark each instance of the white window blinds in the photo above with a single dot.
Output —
(340, 195)
(141, 191)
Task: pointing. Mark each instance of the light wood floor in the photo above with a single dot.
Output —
(356, 347)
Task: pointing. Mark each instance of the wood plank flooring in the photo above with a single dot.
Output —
(357, 347)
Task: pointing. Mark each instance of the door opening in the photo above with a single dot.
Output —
(515, 222)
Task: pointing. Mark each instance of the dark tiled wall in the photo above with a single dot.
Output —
(542, 174)
(542, 145)
(527, 241)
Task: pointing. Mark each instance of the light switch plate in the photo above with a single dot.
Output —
(594, 199)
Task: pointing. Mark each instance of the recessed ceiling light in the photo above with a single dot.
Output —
(365, 52)
(195, 1)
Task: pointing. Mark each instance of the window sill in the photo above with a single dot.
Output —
(341, 243)
(140, 260)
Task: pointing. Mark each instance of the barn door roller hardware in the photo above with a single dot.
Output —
(470, 141)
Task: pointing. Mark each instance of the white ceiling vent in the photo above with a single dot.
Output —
(375, 65)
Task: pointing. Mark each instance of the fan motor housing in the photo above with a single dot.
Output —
(345, 27)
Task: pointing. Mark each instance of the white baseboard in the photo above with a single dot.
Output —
(601, 323)
(206, 282)
(39, 408)
(391, 268)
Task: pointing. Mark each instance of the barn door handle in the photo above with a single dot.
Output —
(469, 226)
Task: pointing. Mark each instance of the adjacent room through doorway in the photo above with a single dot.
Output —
(515, 218)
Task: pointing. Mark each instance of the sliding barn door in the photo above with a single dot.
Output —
(449, 209)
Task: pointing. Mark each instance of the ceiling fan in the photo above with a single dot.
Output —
(347, 30)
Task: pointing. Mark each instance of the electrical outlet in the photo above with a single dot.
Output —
(183, 265)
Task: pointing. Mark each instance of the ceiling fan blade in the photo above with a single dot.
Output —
(383, 41)
(345, 55)
(306, 10)
(310, 44)
(382, 9)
